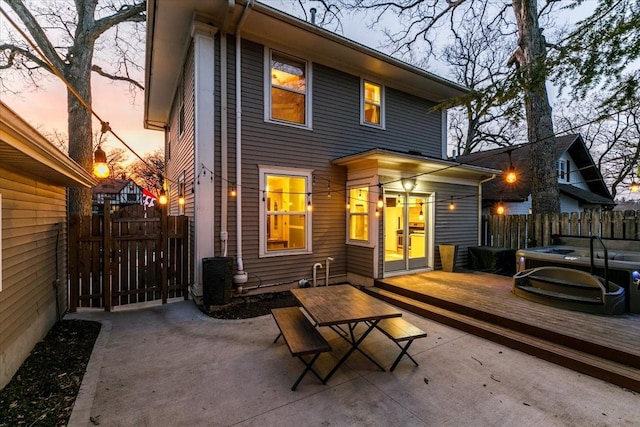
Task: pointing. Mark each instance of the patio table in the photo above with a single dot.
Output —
(345, 305)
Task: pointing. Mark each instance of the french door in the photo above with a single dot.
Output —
(405, 232)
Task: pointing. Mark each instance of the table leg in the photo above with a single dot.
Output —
(355, 346)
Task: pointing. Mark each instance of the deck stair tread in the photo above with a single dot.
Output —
(561, 295)
(563, 282)
(581, 361)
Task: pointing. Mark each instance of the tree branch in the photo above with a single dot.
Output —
(99, 70)
(127, 13)
(15, 51)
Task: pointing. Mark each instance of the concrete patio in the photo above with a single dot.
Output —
(171, 366)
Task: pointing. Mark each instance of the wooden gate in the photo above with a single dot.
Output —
(132, 255)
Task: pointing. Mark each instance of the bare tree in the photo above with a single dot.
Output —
(149, 173)
(477, 58)
(67, 35)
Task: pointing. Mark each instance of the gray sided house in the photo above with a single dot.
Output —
(580, 182)
(284, 137)
(34, 176)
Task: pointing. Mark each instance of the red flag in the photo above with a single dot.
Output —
(148, 199)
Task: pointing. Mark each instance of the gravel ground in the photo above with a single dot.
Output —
(45, 387)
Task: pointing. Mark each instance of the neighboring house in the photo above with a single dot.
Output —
(580, 182)
(121, 193)
(285, 137)
(34, 176)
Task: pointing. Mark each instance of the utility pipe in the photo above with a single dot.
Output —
(326, 271)
(243, 18)
(224, 197)
(315, 266)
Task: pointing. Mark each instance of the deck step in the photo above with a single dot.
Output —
(611, 371)
(561, 296)
(562, 282)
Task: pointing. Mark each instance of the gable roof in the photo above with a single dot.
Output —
(572, 144)
(169, 25)
(111, 186)
(24, 150)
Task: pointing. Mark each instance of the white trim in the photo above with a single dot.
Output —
(267, 90)
(363, 122)
(263, 171)
(370, 183)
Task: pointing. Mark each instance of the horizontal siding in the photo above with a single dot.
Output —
(33, 240)
(360, 260)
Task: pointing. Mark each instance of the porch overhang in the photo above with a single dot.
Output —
(414, 165)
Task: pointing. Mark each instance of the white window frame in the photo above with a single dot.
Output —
(293, 172)
(373, 199)
(267, 90)
(363, 103)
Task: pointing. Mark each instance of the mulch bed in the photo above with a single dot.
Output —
(44, 389)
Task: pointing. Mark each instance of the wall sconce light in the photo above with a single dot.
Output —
(452, 206)
(181, 199)
(100, 167)
(408, 184)
(163, 197)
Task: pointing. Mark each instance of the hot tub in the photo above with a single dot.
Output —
(623, 266)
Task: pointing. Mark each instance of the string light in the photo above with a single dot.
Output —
(233, 191)
(380, 200)
(421, 214)
(511, 176)
(309, 206)
(163, 197)
(181, 199)
(452, 206)
(500, 208)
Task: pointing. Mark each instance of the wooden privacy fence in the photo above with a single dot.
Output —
(523, 231)
(130, 256)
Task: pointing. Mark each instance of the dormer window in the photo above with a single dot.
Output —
(563, 168)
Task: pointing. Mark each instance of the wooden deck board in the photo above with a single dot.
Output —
(492, 294)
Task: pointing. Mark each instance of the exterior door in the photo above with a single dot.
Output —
(405, 225)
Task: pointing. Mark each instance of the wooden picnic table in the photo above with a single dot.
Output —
(345, 305)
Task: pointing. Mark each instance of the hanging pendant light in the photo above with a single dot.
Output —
(100, 167)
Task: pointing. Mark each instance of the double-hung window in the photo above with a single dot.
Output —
(358, 214)
(285, 217)
(287, 100)
(372, 111)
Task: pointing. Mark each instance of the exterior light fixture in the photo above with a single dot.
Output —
(500, 209)
(309, 206)
(452, 206)
(181, 199)
(163, 197)
(233, 192)
(421, 214)
(408, 184)
(100, 167)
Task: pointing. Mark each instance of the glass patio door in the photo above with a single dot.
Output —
(405, 243)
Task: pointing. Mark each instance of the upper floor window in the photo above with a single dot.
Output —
(288, 97)
(285, 224)
(563, 168)
(372, 104)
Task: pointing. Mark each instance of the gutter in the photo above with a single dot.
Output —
(480, 205)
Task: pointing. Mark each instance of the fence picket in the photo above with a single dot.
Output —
(523, 231)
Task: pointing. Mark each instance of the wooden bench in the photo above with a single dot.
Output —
(399, 330)
(301, 337)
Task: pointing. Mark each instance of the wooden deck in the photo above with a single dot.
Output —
(489, 298)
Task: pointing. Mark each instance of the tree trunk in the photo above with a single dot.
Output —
(78, 74)
(532, 55)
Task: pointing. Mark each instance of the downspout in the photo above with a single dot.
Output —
(224, 134)
(241, 276)
(480, 206)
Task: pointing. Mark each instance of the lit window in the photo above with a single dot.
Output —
(372, 104)
(286, 224)
(358, 210)
(288, 89)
